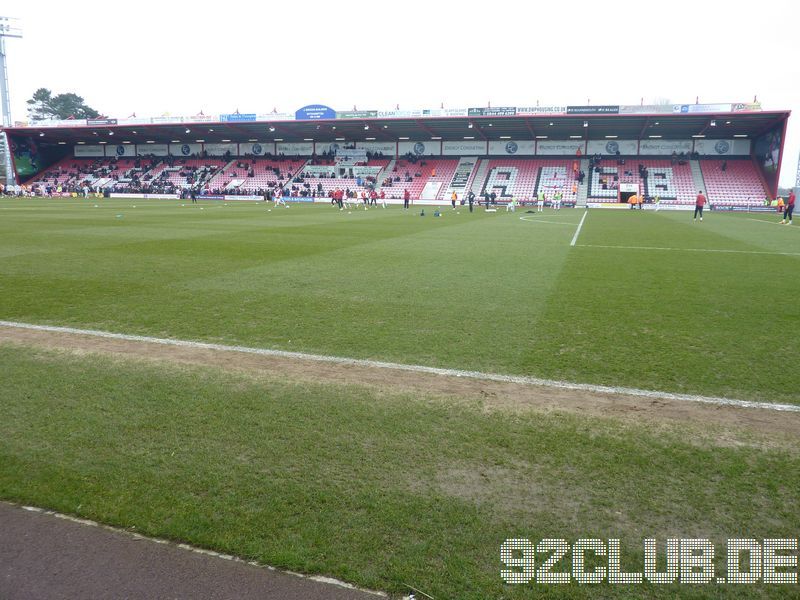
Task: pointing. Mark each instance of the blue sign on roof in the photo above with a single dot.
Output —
(314, 111)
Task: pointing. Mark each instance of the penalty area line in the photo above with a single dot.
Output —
(517, 379)
(720, 251)
(578, 230)
(532, 220)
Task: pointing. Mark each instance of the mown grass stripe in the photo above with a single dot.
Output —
(603, 389)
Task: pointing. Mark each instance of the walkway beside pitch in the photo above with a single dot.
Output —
(49, 557)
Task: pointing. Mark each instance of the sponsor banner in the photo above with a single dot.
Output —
(295, 149)
(211, 197)
(387, 148)
(350, 155)
(701, 108)
(433, 147)
(541, 110)
(43, 123)
(746, 106)
(664, 147)
(629, 187)
(451, 112)
(739, 208)
(492, 111)
(665, 206)
(221, 149)
(237, 117)
(400, 114)
(299, 199)
(275, 116)
(624, 147)
(101, 121)
(714, 147)
(154, 149)
(333, 148)
(121, 150)
(166, 119)
(560, 147)
(185, 149)
(420, 112)
(512, 147)
(365, 171)
(356, 114)
(145, 196)
(318, 170)
(256, 148)
(314, 112)
(135, 121)
(81, 150)
(722, 147)
(614, 205)
(608, 109)
(645, 109)
(226, 197)
(465, 147)
(201, 119)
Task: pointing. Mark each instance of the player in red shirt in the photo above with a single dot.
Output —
(789, 208)
(699, 204)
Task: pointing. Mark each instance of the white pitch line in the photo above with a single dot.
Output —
(692, 250)
(765, 221)
(518, 379)
(578, 230)
(532, 220)
(229, 557)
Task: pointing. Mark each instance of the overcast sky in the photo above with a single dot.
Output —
(180, 57)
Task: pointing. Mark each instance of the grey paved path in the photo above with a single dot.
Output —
(44, 557)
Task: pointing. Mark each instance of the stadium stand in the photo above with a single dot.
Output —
(726, 182)
(738, 184)
(672, 183)
(524, 178)
(414, 174)
(322, 186)
(255, 174)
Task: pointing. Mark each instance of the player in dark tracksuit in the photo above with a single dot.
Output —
(698, 205)
(471, 200)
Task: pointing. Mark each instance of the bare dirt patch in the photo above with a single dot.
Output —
(731, 425)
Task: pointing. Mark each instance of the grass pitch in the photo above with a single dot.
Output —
(376, 487)
(650, 300)
(379, 489)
